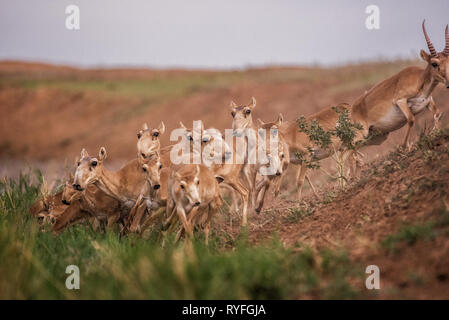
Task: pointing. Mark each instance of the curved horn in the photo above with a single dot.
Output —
(446, 47)
(432, 50)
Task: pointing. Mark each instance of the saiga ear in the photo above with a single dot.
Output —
(71, 176)
(102, 154)
(84, 153)
(197, 170)
(233, 105)
(280, 120)
(161, 127)
(77, 159)
(252, 105)
(145, 126)
(425, 56)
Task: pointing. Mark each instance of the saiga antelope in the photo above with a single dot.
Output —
(71, 214)
(157, 178)
(105, 209)
(156, 163)
(148, 141)
(46, 204)
(157, 170)
(195, 196)
(211, 139)
(127, 185)
(243, 126)
(395, 101)
(280, 160)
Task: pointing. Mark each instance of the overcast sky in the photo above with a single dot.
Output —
(216, 33)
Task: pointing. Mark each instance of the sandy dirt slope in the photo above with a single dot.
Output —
(396, 217)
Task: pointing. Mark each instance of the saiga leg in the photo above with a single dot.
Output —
(436, 113)
(237, 186)
(185, 223)
(402, 104)
(300, 179)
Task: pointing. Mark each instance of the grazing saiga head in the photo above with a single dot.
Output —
(438, 61)
(278, 159)
(242, 117)
(69, 193)
(89, 169)
(185, 184)
(148, 141)
(152, 167)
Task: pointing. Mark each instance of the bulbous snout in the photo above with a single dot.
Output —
(278, 173)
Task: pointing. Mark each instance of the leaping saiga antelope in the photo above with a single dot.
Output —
(395, 101)
(386, 107)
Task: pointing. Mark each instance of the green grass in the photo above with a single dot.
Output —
(33, 263)
(409, 234)
(297, 214)
(412, 233)
(149, 88)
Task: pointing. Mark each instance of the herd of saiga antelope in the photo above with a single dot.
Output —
(136, 195)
